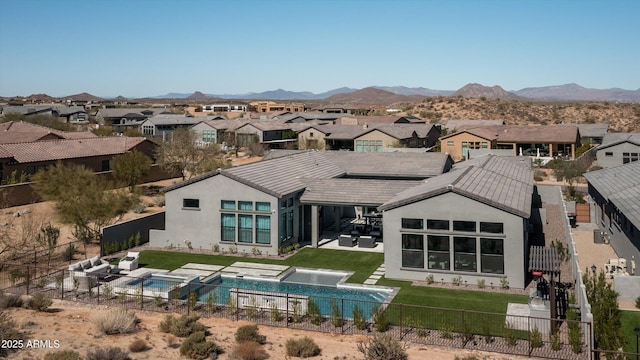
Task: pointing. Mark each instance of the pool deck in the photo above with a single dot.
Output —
(329, 240)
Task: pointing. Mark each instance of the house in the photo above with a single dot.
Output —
(24, 132)
(306, 117)
(216, 131)
(616, 195)
(163, 125)
(225, 107)
(122, 119)
(68, 114)
(265, 204)
(591, 133)
(617, 149)
(549, 140)
(368, 138)
(470, 223)
(93, 153)
(269, 106)
(274, 133)
(384, 119)
(453, 125)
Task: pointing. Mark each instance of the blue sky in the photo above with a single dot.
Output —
(146, 48)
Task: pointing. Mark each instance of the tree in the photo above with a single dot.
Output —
(103, 131)
(49, 121)
(131, 167)
(48, 238)
(81, 199)
(181, 154)
(606, 313)
(567, 171)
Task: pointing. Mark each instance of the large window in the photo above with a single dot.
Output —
(228, 205)
(467, 226)
(191, 203)
(492, 256)
(245, 205)
(629, 157)
(245, 228)
(437, 224)
(412, 223)
(263, 206)
(209, 136)
(413, 251)
(438, 247)
(228, 227)
(368, 145)
(492, 227)
(464, 254)
(263, 229)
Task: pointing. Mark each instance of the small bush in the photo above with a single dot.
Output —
(358, 318)
(336, 314)
(107, 353)
(429, 279)
(182, 327)
(8, 330)
(457, 280)
(504, 283)
(138, 345)
(446, 330)
(313, 312)
(249, 350)
(39, 301)
(638, 302)
(250, 333)
(197, 347)
(62, 355)
(535, 338)
(556, 344)
(481, 283)
(380, 319)
(510, 335)
(275, 313)
(303, 347)
(383, 347)
(9, 301)
(117, 321)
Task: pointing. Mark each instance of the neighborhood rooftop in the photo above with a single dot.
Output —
(611, 139)
(390, 164)
(522, 133)
(361, 192)
(620, 185)
(494, 182)
(21, 131)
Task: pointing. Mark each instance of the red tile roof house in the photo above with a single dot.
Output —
(94, 153)
(21, 131)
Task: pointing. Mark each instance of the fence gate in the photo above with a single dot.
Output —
(582, 213)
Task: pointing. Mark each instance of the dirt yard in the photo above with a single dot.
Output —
(71, 324)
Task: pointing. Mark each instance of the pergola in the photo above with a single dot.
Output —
(544, 260)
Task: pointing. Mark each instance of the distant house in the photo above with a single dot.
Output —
(164, 124)
(454, 125)
(93, 153)
(368, 138)
(274, 133)
(23, 132)
(616, 194)
(385, 119)
(122, 119)
(269, 106)
(225, 107)
(591, 133)
(68, 114)
(617, 149)
(216, 131)
(549, 140)
(306, 117)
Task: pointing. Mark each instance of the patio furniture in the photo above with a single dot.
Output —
(93, 266)
(129, 262)
(367, 241)
(347, 240)
(355, 233)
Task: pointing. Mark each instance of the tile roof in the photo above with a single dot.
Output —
(121, 112)
(284, 175)
(591, 130)
(390, 164)
(457, 124)
(611, 139)
(495, 182)
(523, 133)
(51, 150)
(23, 131)
(174, 119)
(361, 192)
(621, 186)
(226, 124)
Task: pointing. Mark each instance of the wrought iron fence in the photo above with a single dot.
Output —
(509, 334)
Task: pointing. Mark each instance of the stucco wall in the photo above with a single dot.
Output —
(303, 136)
(616, 150)
(455, 150)
(451, 206)
(387, 141)
(202, 227)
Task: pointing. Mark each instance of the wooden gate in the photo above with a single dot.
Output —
(582, 213)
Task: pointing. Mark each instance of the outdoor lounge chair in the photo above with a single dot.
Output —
(367, 241)
(129, 262)
(347, 240)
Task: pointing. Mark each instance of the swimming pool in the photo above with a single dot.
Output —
(266, 292)
(158, 281)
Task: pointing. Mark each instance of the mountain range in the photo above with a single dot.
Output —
(567, 92)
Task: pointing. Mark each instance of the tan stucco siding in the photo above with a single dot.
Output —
(387, 141)
(453, 144)
(305, 136)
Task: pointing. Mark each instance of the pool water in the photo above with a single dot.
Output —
(156, 281)
(314, 277)
(347, 297)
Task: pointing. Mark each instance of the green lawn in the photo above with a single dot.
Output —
(630, 320)
(363, 264)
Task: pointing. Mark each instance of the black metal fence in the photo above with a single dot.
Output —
(517, 335)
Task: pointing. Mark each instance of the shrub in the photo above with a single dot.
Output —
(429, 279)
(313, 312)
(556, 344)
(638, 302)
(446, 330)
(504, 283)
(8, 330)
(380, 319)
(535, 338)
(117, 321)
(107, 353)
(358, 318)
(510, 335)
(275, 313)
(197, 347)
(383, 347)
(62, 355)
(9, 301)
(249, 350)
(39, 301)
(138, 345)
(481, 283)
(303, 347)
(457, 280)
(69, 252)
(336, 314)
(250, 333)
(183, 326)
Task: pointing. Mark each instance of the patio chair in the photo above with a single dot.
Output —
(346, 240)
(129, 262)
(367, 241)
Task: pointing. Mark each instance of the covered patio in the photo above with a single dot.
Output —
(343, 212)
